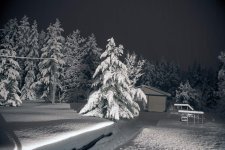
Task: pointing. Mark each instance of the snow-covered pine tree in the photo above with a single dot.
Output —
(10, 29)
(9, 67)
(23, 45)
(23, 36)
(208, 88)
(28, 91)
(41, 39)
(113, 98)
(195, 75)
(149, 72)
(134, 67)
(41, 42)
(74, 53)
(186, 94)
(221, 76)
(221, 83)
(173, 78)
(52, 69)
(163, 75)
(91, 59)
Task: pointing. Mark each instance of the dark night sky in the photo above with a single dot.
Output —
(184, 31)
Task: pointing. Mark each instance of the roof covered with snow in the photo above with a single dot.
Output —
(155, 90)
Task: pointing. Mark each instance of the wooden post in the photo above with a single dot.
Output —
(53, 83)
(194, 118)
(198, 118)
(59, 97)
(187, 119)
(202, 118)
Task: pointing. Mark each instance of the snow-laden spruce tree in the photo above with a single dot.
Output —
(9, 67)
(135, 67)
(221, 83)
(28, 91)
(23, 36)
(23, 45)
(10, 29)
(74, 53)
(163, 75)
(41, 40)
(221, 76)
(186, 94)
(52, 69)
(41, 43)
(91, 59)
(114, 94)
(9, 71)
(148, 77)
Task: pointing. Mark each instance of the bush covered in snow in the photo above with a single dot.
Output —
(186, 94)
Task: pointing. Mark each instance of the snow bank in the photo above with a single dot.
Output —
(123, 131)
(53, 127)
(64, 136)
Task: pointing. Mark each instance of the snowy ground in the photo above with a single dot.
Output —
(36, 125)
(125, 130)
(169, 134)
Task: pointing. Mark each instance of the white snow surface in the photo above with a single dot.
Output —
(194, 137)
(43, 138)
(38, 125)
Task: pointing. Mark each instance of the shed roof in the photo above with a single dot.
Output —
(156, 90)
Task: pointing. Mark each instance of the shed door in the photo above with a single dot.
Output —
(157, 103)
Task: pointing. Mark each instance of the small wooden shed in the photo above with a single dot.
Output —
(156, 99)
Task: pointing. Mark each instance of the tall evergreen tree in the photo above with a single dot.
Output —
(149, 72)
(23, 36)
(11, 30)
(51, 69)
(163, 75)
(204, 81)
(28, 91)
(74, 53)
(208, 88)
(9, 67)
(173, 78)
(114, 95)
(23, 45)
(41, 40)
(91, 59)
(195, 75)
(221, 83)
(221, 75)
(134, 67)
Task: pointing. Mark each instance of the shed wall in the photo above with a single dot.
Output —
(157, 103)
